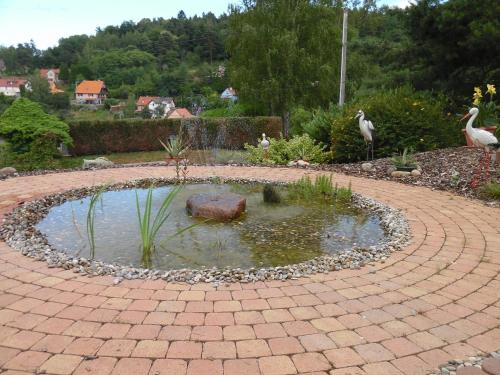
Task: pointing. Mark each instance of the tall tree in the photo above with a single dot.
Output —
(285, 53)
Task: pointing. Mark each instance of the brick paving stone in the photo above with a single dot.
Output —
(241, 367)
(6, 354)
(434, 357)
(219, 319)
(151, 349)
(205, 367)
(299, 328)
(144, 332)
(184, 350)
(401, 346)
(269, 330)
(374, 352)
(82, 329)
(206, 333)
(346, 338)
(159, 317)
(219, 350)
(491, 366)
(112, 331)
(317, 342)
(27, 361)
(285, 345)
(470, 371)
(248, 317)
(328, 324)
(309, 362)
(177, 333)
(168, 367)
(117, 348)
(252, 348)
(348, 371)
(373, 333)
(84, 346)
(277, 365)
(132, 366)
(53, 343)
(238, 332)
(412, 365)
(344, 357)
(23, 340)
(61, 364)
(381, 368)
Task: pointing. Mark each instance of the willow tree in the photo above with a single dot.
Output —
(285, 53)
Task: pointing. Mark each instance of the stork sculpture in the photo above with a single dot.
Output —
(482, 139)
(265, 145)
(367, 131)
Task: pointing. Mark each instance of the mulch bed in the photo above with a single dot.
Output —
(448, 169)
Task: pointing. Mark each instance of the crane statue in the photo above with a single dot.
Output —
(482, 139)
(265, 145)
(367, 131)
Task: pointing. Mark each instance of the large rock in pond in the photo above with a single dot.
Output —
(221, 207)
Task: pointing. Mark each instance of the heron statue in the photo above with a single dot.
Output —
(482, 139)
(367, 131)
(265, 145)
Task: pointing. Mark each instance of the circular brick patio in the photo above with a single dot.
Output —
(436, 300)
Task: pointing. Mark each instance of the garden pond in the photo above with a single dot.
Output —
(267, 234)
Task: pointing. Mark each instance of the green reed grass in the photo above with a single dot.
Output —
(94, 199)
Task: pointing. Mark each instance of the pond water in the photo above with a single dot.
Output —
(267, 234)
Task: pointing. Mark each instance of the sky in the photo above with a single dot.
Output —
(45, 22)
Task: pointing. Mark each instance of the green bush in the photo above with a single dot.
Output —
(282, 151)
(490, 191)
(25, 122)
(402, 119)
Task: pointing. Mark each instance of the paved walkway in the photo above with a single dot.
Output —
(436, 300)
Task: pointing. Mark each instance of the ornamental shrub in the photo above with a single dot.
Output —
(282, 151)
(24, 122)
(402, 119)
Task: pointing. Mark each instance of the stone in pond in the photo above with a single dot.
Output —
(222, 207)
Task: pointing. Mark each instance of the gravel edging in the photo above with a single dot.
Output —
(18, 231)
(453, 365)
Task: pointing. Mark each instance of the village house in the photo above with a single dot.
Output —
(11, 86)
(229, 94)
(179, 113)
(50, 74)
(91, 92)
(157, 106)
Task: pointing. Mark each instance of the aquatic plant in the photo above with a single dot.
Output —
(90, 219)
(176, 149)
(150, 224)
(305, 189)
(271, 194)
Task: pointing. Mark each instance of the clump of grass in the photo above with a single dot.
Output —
(490, 191)
(271, 194)
(150, 224)
(96, 197)
(305, 189)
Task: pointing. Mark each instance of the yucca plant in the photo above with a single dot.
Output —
(176, 149)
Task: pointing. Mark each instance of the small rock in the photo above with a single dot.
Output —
(367, 167)
(390, 170)
(416, 173)
(7, 171)
(302, 163)
(400, 174)
(96, 163)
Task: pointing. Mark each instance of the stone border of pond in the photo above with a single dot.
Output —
(19, 232)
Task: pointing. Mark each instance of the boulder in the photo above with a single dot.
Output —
(96, 163)
(7, 171)
(400, 174)
(367, 167)
(416, 173)
(302, 163)
(220, 207)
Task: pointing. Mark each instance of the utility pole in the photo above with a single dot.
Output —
(343, 60)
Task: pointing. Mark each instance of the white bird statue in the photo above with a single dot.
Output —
(482, 139)
(367, 129)
(265, 145)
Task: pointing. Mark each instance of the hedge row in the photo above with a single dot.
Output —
(104, 137)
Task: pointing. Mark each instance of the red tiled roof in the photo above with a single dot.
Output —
(145, 100)
(90, 87)
(43, 71)
(180, 112)
(12, 81)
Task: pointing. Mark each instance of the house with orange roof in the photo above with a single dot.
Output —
(143, 102)
(179, 113)
(50, 74)
(91, 92)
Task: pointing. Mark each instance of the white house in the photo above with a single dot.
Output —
(11, 86)
(230, 94)
(159, 107)
(51, 74)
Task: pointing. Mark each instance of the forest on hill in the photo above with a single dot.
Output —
(432, 45)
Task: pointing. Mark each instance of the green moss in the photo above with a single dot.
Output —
(490, 191)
